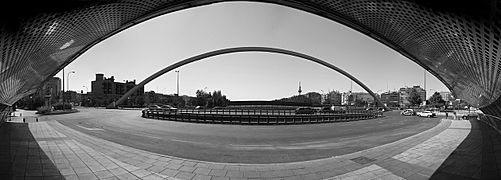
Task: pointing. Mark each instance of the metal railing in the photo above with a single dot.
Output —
(241, 116)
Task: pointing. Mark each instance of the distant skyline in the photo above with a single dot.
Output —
(140, 51)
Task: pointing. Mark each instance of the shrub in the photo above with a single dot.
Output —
(44, 110)
(59, 106)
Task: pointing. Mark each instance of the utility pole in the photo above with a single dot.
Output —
(424, 75)
(63, 89)
(177, 83)
(351, 86)
(299, 91)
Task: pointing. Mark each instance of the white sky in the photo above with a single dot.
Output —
(140, 51)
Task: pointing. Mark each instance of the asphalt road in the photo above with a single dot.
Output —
(243, 143)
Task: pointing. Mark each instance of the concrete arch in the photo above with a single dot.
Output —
(236, 50)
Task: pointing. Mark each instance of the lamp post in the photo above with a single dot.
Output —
(63, 89)
(177, 82)
(68, 84)
(68, 79)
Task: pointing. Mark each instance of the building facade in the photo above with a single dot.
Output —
(363, 97)
(405, 93)
(105, 91)
(446, 96)
(53, 88)
(391, 99)
(333, 98)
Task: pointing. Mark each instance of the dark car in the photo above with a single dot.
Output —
(305, 110)
(326, 110)
(150, 108)
(154, 107)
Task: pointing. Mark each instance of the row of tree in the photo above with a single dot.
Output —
(435, 100)
(209, 100)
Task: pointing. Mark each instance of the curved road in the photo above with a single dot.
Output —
(242, 144)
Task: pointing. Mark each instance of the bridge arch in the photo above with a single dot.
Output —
(457, 42)
(242, 49)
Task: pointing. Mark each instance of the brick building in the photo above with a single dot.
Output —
(106, 90)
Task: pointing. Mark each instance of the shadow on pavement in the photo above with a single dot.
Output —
(477, 157)
(21, 157)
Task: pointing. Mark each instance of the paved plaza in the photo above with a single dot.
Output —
(50, 150)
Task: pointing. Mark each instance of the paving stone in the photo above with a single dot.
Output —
(189, 163)
(233, 173)
(169, 172)
(103, 174)
(118, 171)
(71, 177)
(141, 173)
(202, 177)
(237, 178)
(187, 168)
(218, 172)
(87, 176)
(220, 178)
(112, 178)
(202, 171)
(156, 169)
(127, 176)
(82, 170)
(185, 175)
(251, 174)
(174, 166)
(153, 177)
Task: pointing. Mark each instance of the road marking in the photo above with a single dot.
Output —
(311, 142)
(154, 137)
(90, 129)
(251, 145)
(192, 142)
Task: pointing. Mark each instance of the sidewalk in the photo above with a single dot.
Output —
(51, 150)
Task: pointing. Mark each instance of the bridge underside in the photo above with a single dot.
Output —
(456, 42)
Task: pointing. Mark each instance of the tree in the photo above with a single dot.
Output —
(414, 98)
(209, 100)
(360, 103)
(219, 99)
(436, 100)
(201, 98)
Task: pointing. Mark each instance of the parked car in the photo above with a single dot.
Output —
(408, 112)
(154, 107)
(305, 110)
(326, 110)
(426, 114)
(168, 108)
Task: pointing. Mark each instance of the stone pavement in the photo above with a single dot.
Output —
(50, 150)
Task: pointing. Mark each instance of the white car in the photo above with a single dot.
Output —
(425, 114)
(168, 108)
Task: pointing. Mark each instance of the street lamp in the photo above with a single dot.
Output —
(177, 82)
(68, 79)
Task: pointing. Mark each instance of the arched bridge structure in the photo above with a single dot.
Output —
(456, 41)
(242, 49)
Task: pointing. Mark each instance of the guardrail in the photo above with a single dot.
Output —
(231, 116)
